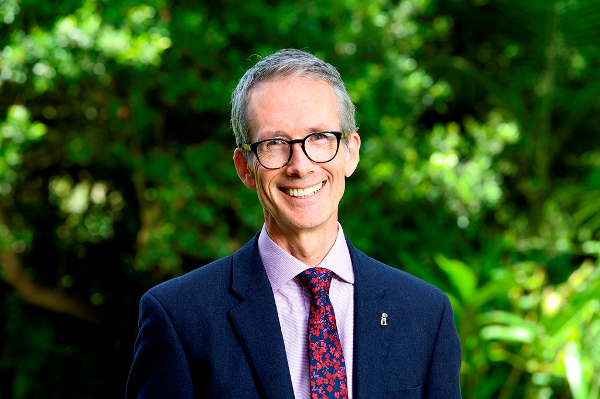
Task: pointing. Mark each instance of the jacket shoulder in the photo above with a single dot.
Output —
(202, 279)
(209, 287)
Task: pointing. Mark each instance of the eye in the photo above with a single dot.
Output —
(319, 136)
(275, 143)
(322, 136)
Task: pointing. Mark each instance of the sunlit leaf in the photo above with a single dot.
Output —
(574, 370)
(461, 276)
(498, 316)
(508, 333)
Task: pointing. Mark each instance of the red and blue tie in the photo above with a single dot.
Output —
(326, 360)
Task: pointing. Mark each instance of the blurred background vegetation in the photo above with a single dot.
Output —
(480, 172)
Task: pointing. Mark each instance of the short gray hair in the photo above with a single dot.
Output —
(288, 63)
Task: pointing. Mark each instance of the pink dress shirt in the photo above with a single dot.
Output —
(293, 304)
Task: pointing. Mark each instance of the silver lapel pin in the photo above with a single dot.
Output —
(384, 317)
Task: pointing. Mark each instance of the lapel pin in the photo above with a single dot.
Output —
(384, 317)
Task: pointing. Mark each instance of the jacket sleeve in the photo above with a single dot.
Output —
(444, 367)
(160, 368)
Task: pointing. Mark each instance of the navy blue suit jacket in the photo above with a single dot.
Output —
(214, 333)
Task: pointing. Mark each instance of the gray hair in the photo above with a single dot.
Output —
(288, 63)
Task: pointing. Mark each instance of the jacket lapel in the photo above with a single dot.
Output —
(256, 322)
(372, 341)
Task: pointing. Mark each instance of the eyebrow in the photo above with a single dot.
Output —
(318, 128)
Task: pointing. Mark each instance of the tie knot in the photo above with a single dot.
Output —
(317, 280)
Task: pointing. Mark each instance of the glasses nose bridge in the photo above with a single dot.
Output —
(301, 142)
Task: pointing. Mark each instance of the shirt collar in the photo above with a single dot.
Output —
(281, 267)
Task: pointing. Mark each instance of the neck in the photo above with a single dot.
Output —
(310, 246)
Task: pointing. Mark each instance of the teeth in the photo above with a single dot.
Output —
(299, 192)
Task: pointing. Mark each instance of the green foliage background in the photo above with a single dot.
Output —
(480, 172)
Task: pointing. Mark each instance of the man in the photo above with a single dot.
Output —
(297, 312)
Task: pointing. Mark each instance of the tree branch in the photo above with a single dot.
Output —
(52, 299)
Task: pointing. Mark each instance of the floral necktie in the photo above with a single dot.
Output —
(326, 360)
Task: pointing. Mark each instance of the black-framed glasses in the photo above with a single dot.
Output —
(275, 153)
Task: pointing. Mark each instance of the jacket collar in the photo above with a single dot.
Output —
(256, 322)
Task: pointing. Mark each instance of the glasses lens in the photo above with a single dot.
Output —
(321, 147)
(273, 153)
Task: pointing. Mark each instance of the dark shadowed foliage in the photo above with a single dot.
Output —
(480, 172)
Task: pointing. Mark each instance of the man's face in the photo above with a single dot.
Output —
(292, 108)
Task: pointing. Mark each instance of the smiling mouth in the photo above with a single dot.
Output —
(302, 192)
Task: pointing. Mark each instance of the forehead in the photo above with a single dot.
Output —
(291, 107)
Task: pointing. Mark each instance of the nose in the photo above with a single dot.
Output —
(299, 164)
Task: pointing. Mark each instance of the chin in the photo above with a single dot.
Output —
(306, 225)
(307, 222)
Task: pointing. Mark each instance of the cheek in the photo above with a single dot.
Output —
(340, 180)
(263, 187)
(341, 185)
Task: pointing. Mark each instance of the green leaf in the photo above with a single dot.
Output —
(508, 333)
(460, 275)
(36, 130)
(490, 291)
(584, 312)
(499, 316)
(575, 371)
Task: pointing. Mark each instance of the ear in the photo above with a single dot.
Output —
(243, 170)
(352, 155)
